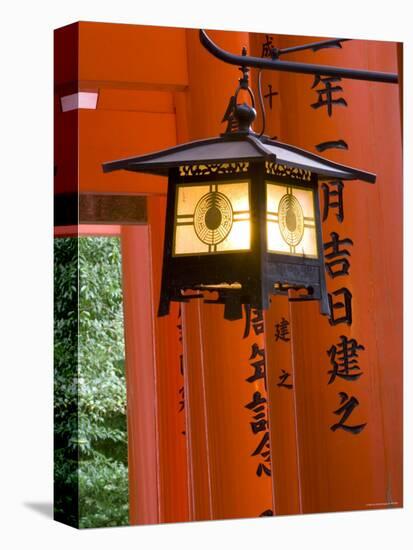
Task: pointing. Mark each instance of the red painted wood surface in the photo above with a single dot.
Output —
(140, 377)
(278, 347)
(156, 439)
(217, 362)
(339, 470)
(107, 134)
(282, 409)
(169, 380)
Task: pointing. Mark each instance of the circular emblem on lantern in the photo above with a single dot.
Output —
(213, 218)
(291, 219)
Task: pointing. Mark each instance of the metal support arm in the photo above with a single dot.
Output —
(293, 67)
(315, 46)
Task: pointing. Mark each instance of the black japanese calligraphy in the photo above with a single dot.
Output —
(325, 93)
(263, 450)
(283, 379)
(336, 259)
(333, 198)
(344, 359)
(181, 402)
(270, 95)
(259, 365)
(258, 406)
(344, 354)
(260, 418)
(267, 47)
(282, 331)
(343, 306)
(254, 318)
(263, 444)
(347, 406)
(257, 401)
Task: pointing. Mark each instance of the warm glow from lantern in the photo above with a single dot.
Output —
(211, 218)
(291, 226)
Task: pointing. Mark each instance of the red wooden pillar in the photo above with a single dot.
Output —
(198, 463)
(341, 470)
(140, 376)
(282, 407)
(224, 483)
(278, 337)
(154, 375)
(169, 380)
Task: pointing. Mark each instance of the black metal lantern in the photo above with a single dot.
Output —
(242, 217)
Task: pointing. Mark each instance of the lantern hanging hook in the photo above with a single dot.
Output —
(240, 116)
(244, 81)
(235, 111)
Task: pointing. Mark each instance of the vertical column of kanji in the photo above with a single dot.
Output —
(170, 419)
(224, 372)
(282, 407)
(348, 366)
(140, 375)
(280, 366)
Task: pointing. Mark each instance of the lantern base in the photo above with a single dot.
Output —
(233, 297)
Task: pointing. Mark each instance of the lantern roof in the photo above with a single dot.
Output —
(237, 148)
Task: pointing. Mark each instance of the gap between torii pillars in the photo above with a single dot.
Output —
(223, 478)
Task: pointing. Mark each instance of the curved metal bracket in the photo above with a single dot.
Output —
(292, 66)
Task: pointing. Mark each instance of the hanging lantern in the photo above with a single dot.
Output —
(242, 216)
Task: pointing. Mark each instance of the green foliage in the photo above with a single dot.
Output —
(66, 499)
(95, 430)
(103, 491)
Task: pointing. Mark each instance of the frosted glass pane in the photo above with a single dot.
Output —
(274, 194)
(291, 220)
(211, 218)
(308, 244)
(275, 242)
(238, 195)
(238, 239)
(306, 200)
(186, 241)
(188, 197)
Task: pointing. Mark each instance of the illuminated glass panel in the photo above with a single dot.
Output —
(212, 218)
(291, 225)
